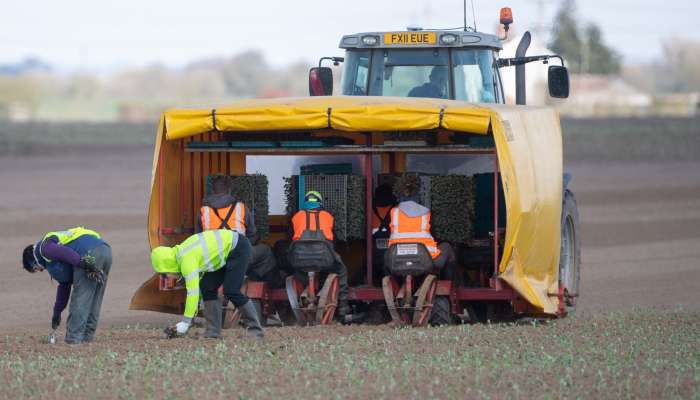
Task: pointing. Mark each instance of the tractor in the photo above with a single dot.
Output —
(415, 101)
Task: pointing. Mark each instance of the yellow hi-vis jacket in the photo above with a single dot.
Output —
(198, 254)
(69, 235)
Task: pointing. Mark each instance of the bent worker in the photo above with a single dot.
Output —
(410, 223)
(307, 223)
(221, 210)
(76, 258)
(206, 261)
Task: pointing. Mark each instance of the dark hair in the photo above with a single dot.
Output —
(28, 259)
(408, 185)
(384, 196)
(221, 184)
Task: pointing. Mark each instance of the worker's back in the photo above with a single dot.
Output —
(312, 220)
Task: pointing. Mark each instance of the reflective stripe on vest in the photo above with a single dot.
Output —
(67, 236)
(212, 218)
(423, 236)
(201, 243)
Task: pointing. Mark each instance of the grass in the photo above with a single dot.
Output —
(645, 354)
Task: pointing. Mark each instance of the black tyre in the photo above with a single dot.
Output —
(570, 253)
(440, 314)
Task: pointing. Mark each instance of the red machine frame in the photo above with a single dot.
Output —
(498, 290)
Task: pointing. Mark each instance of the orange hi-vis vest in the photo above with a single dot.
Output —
(325, 220)
(231, 217)
(405, 229)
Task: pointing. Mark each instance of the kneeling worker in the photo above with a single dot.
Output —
(320, 220)
(219, 256)
(410, 223)
(76, 257)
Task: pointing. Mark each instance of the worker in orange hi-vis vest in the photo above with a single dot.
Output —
(410, 223)
(313, 222)
(220, 210)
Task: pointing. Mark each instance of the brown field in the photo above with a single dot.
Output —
(641, 246)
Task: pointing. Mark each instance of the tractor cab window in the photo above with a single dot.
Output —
(355, 73)
(473, 74)
(411, 73)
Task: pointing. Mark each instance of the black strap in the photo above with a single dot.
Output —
(308, 219)
(224, 221)
(383, 221)
(386, 220)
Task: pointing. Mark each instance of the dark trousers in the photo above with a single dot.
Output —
(446, 262)
(231, 275)
(86, 299)
(263, 267)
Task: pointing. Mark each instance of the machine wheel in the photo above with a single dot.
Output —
(424, 301)
(441, 315)
(570, 253)
(328, 300)
(293, 292)
(388, 290)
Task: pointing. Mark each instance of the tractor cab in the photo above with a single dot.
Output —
(435, 64)
(444, 64)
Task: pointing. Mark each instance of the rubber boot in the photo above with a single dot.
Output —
(254, 328)
(212, 313)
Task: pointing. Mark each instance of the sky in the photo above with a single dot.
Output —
(105, 36)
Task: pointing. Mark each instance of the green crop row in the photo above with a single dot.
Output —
(638, 354)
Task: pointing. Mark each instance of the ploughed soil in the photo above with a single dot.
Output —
(641, 248)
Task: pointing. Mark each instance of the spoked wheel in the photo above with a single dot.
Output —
(424, 301)
(389, 287)
(328, 300)
(294, 290)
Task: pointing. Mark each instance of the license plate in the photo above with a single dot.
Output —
(407, 249)
(410, 38)
(382, 244)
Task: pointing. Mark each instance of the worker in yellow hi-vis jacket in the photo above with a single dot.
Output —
(206, 260)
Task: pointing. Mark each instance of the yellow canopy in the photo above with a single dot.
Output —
(528, 142)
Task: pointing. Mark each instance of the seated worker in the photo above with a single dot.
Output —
(384, 201)
(80, 259)
(220, 210)
(410, 223)
(314, 213)
(436, 87)
(211, 258)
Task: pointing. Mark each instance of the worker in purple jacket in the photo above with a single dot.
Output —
(80, 260)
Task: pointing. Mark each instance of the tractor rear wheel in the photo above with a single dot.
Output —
(570, 253)
(441, 314)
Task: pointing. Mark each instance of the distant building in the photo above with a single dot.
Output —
(602, 96)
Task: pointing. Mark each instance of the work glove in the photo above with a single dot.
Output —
(180, 329)
(88, 264)
(55, 322)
